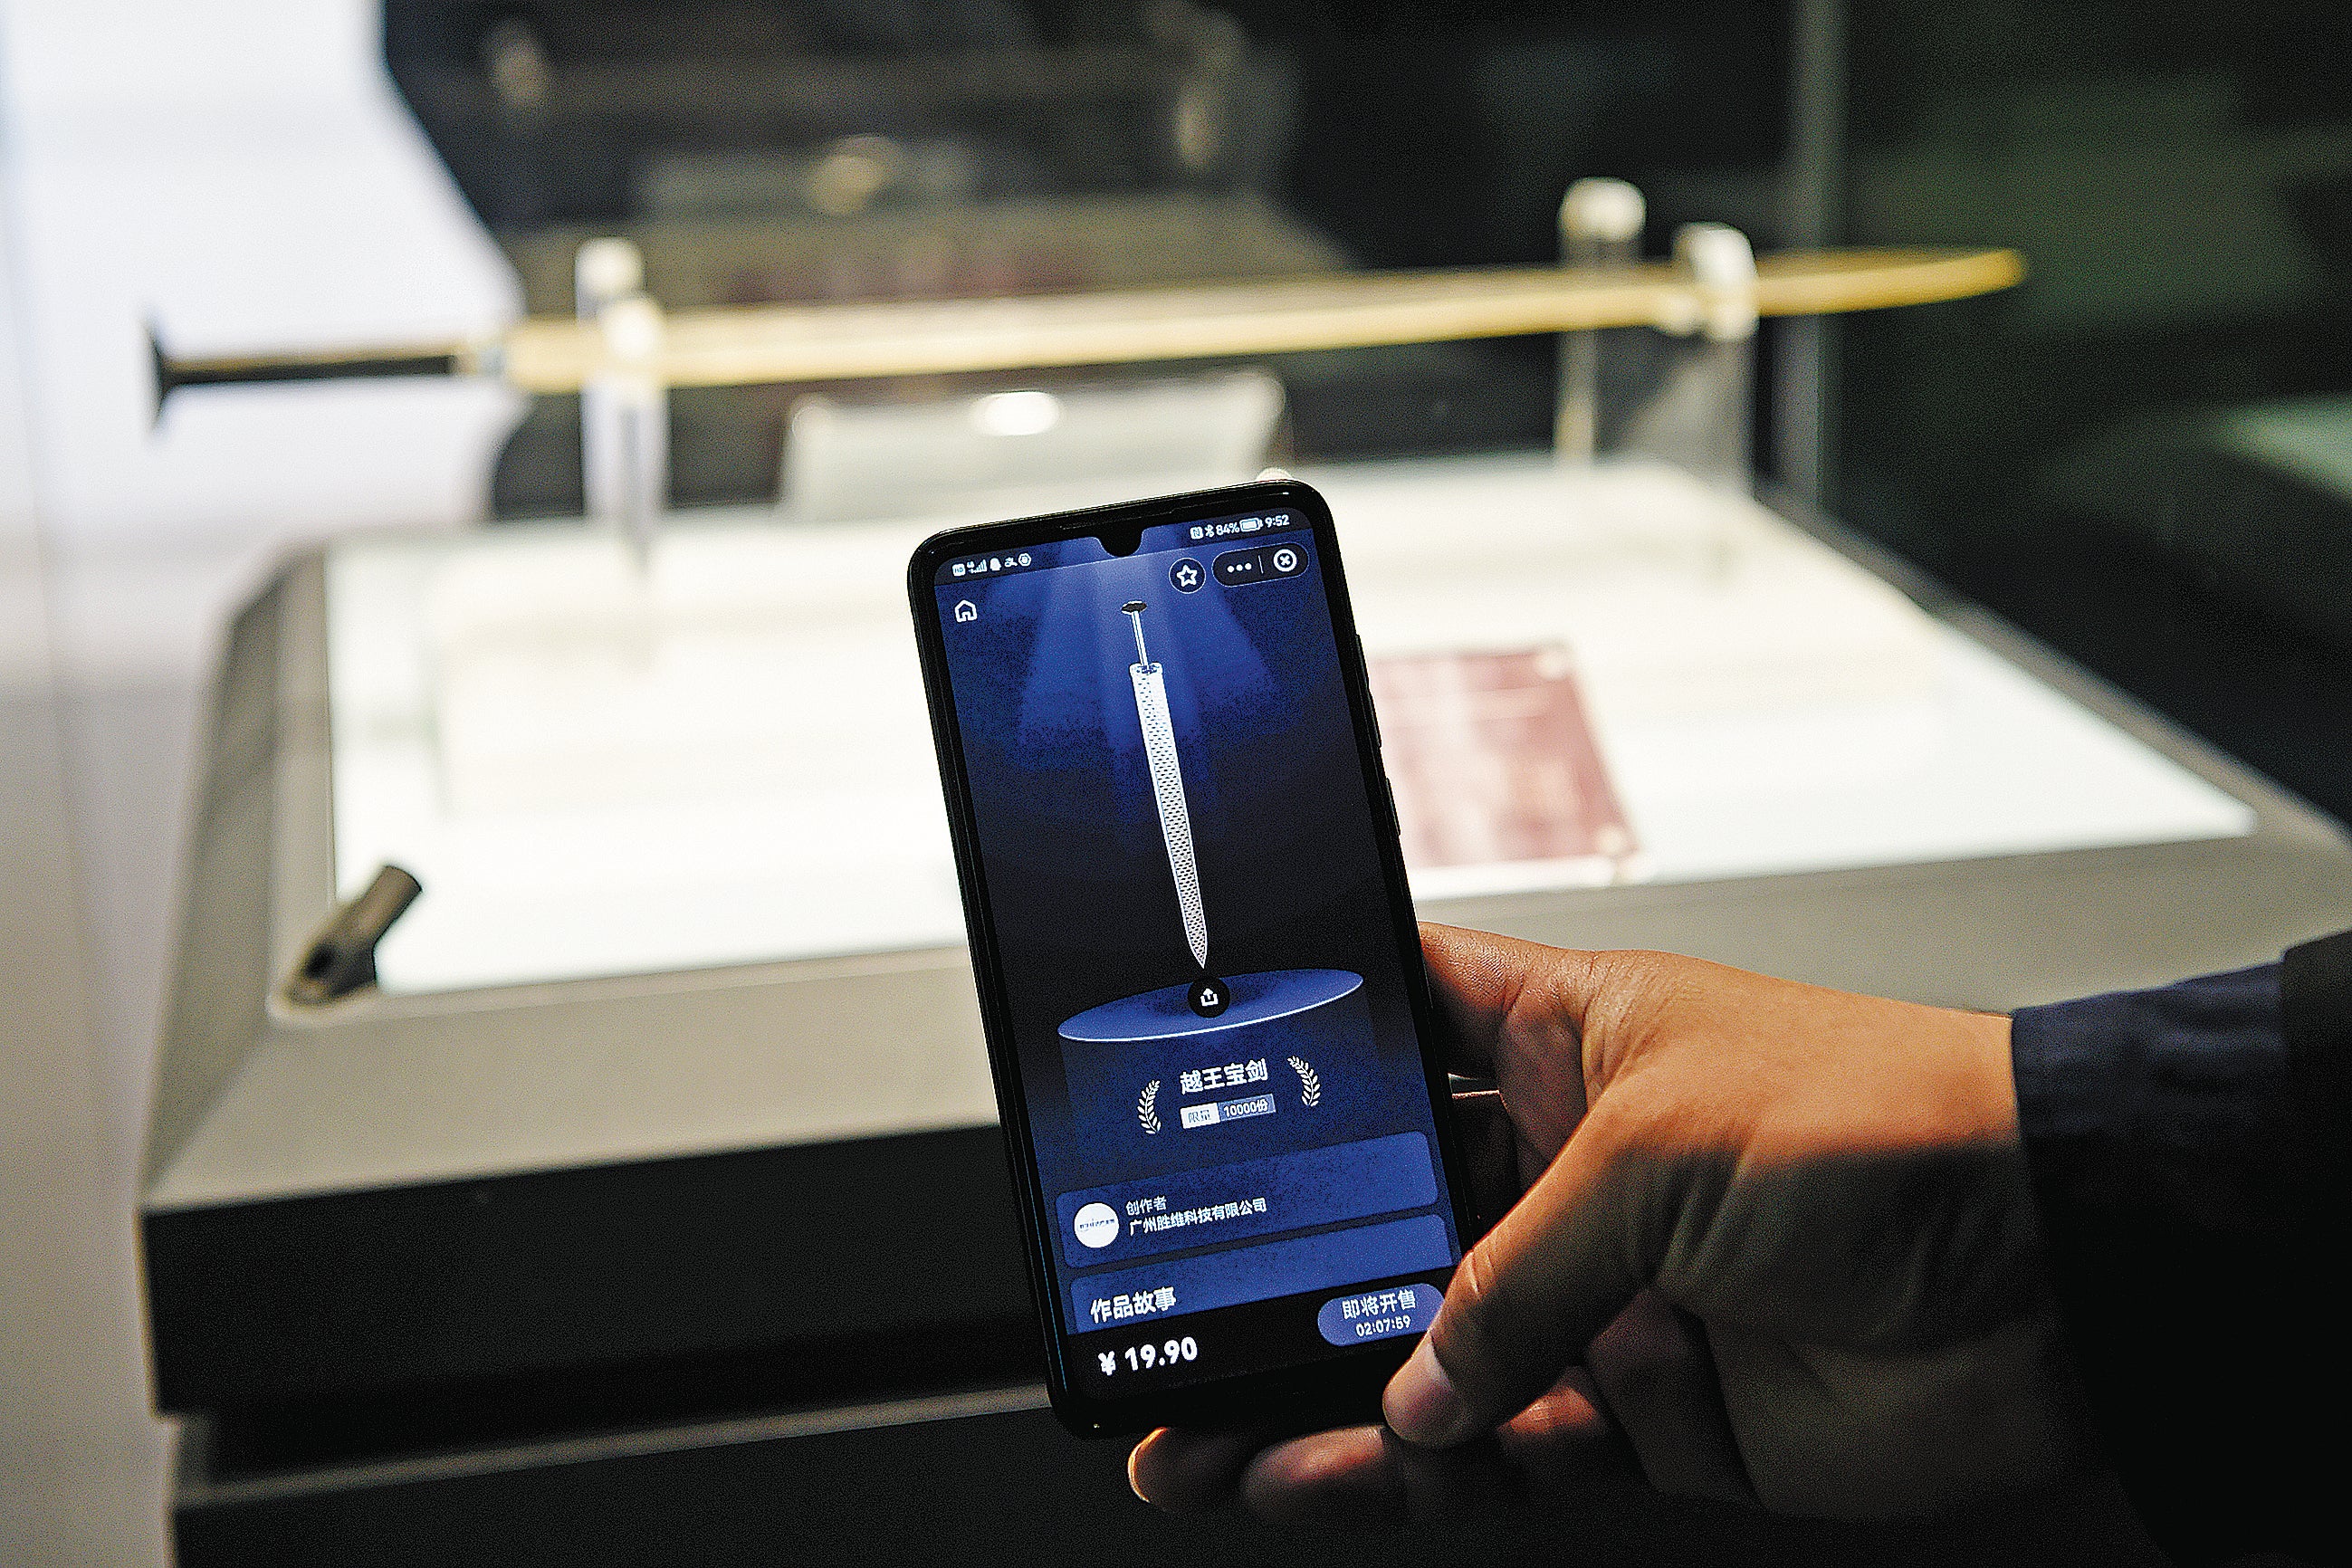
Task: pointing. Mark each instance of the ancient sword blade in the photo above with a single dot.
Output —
(757, 344)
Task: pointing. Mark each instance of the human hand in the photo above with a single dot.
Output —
(1777, 1240)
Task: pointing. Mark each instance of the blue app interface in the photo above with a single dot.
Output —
(1180, 853)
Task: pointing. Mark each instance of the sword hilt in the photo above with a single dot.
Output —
(1133, 611)
(173, 372)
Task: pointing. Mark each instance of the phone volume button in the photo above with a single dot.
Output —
(1387, 790)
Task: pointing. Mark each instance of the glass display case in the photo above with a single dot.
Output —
(759, 153)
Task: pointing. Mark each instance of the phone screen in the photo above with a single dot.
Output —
(1180, 856)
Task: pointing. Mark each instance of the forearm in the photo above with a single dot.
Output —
(2180, 1141)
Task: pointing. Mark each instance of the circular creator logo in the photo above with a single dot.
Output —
(1097, 1225)
(1188, 577)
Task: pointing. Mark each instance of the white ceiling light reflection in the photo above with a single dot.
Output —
(1016, 413)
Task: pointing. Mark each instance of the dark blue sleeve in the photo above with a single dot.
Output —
(2186, 1145)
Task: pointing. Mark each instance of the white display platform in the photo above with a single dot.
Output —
(594, 775)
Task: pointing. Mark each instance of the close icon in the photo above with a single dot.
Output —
(1286, 561)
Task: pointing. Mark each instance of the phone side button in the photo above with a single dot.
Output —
(1388, 791)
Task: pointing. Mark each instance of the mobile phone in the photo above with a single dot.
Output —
(1198, 965)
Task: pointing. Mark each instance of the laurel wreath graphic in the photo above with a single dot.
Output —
(1311, 1088)
(1143, 1108)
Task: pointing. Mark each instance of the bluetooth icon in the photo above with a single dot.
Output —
(1186, 576)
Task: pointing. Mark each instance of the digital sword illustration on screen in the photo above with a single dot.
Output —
(1167, 787)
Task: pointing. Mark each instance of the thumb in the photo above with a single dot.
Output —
(1488, 988)
(1527, 1299)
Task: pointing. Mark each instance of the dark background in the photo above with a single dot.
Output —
(2180, 177)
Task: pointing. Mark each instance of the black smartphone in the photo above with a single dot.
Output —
(1198, 964)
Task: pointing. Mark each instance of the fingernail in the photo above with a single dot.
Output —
(1421, 1403)
(1134, 1480)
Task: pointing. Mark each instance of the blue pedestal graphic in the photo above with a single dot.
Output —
(1154, 1085)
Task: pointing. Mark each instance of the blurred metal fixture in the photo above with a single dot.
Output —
(1698, 415)
(853, 172)
(1600, 229)
(520, 72)
(1723, 273)
(624, 404)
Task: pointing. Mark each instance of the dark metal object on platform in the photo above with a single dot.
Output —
(342, 957)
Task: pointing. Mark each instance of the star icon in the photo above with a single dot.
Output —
(1186, 575)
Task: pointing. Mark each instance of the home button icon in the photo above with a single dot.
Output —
(966, 610)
